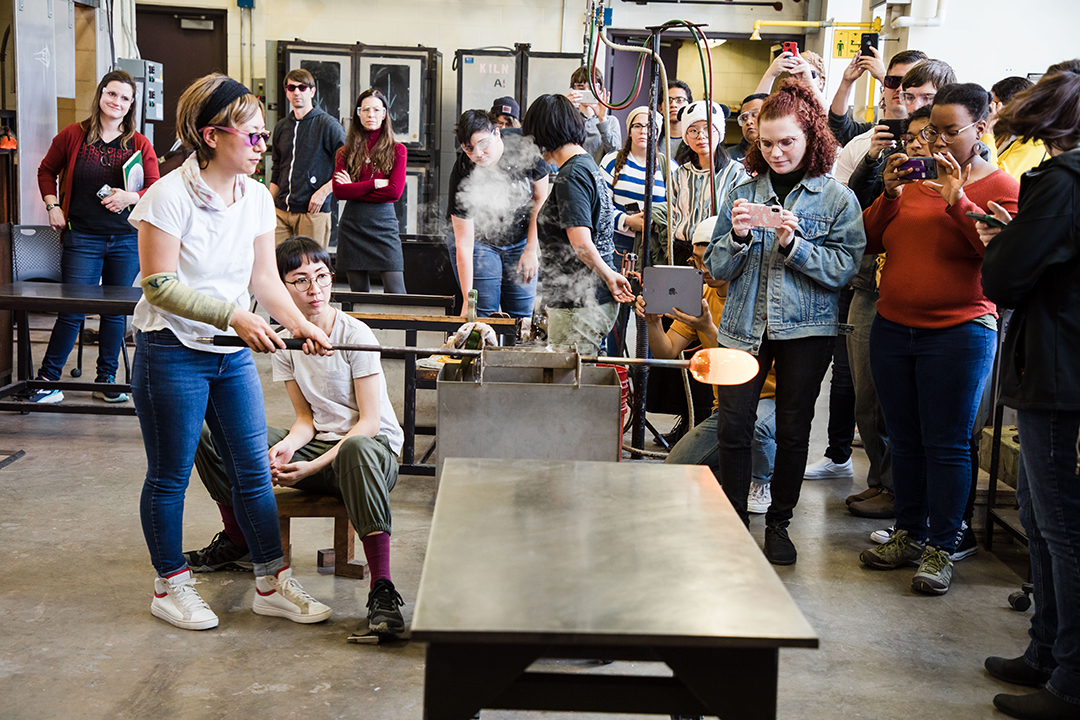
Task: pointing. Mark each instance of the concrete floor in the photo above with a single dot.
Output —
(78, 640)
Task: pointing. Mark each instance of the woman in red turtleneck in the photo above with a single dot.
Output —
(369, 174)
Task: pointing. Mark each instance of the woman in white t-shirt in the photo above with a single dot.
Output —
(206, 233)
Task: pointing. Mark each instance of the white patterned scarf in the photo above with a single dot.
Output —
(200, 193)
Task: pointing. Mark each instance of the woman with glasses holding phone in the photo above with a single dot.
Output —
(933, 340)
(91, 212)
(369, 174)
(206, 234)
(783, 296)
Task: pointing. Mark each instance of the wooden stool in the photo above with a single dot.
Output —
(296, 503)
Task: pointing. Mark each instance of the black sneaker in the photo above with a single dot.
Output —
(966, 546)
(221, 554)
(383, 614)
(779, 550)
(110, 396)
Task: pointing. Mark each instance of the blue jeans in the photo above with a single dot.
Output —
(929, 383)
(800, 366)
(1048, 490)
(87, 260)
(497, 282)
(700, 447)
(174, 388)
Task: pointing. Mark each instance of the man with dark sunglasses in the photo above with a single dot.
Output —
(303, 148)
(845, 127)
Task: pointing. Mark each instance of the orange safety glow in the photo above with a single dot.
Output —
(723, 366)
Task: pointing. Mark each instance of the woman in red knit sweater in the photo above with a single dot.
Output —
(99, 244)
(933, 341)
(369, 174)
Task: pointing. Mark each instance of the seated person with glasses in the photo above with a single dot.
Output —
(700, 446)
(844, 127)
(747, 118)
(344, 440)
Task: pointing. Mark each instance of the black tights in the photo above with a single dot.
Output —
(393, 282)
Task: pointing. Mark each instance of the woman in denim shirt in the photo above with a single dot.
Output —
(783, 293)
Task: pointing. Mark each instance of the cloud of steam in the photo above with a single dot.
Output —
(496, 197)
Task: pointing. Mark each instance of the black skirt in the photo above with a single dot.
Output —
(368, 238)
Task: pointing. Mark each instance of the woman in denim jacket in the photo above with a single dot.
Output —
(783, 294)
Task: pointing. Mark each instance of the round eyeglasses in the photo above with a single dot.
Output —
(304, 283)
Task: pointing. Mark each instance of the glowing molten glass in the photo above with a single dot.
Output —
(723, 366)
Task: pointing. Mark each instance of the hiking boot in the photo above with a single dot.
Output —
(826, 469)
(779, 550)
(966, 546)
(282, 596)
(900, 550)
(1016, 671)
(883, 536)
(880, 507)
(109, 396)
(935, 572)
(1041, 705)
(221, 554)
(866, 494)
(177, 602)
(760, 498)
(383, 614)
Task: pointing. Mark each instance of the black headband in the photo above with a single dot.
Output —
(221, 98)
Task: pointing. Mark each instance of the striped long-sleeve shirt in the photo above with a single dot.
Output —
(630, 187)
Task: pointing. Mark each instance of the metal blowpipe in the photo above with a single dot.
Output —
(712, 366)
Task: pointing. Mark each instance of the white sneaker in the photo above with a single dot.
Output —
(826, 469)
(282, 596)
(760, 498)
(883, 536)
(176, 601)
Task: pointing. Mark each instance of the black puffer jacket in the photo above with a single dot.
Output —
(1034, 266)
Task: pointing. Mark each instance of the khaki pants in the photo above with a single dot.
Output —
(583, 328)
(362, 475)
(315, 225)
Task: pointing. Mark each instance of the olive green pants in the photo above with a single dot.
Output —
(362, 475)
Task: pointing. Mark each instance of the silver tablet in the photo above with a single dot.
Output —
(672, 286)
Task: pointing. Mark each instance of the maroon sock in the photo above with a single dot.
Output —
(232, 528)
(377, 551)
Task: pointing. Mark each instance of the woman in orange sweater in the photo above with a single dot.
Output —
(932, 343)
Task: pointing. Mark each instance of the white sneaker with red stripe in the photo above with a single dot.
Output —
(282, 596)
(176, 601)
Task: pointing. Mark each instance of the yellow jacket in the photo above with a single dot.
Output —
(1019, 157)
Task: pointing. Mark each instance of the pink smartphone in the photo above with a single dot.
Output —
(764, 215)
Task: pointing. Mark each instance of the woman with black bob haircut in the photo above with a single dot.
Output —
(369, 175)
(933, 340)
(783, 297)
(581, 287)
(1033, 265)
